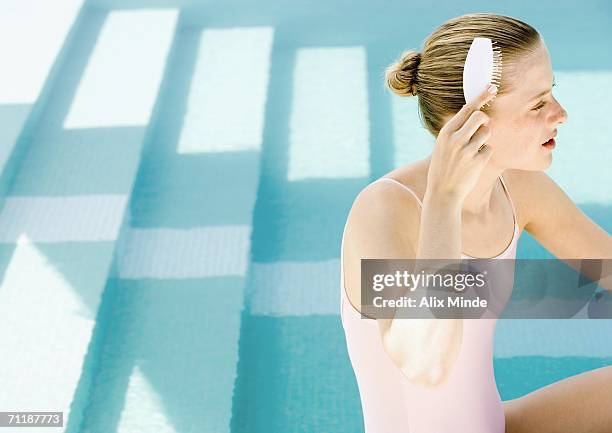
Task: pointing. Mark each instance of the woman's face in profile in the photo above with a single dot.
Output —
(527, 115)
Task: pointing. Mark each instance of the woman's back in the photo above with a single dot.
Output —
(467, 402)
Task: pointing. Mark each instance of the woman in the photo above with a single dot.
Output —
(436, 376)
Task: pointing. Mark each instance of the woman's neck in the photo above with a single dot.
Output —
(478, 204)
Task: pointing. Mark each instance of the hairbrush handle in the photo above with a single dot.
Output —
(482, 67)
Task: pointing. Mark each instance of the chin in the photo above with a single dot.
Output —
(547, 164)
(543, 163)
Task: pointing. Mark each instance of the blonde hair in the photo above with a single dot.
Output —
(436, 74)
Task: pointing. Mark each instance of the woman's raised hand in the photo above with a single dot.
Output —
(456, 161)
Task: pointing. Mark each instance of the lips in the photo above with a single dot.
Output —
(550, 139)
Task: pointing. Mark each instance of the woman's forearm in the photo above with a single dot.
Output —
(440, 228)
(426, 349)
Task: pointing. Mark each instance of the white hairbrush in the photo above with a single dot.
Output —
(483, 66)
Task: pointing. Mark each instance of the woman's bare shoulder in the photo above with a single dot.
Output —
(383, 210)
(413, 176)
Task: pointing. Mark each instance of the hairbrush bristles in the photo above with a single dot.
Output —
(483, 66)
(497, 65)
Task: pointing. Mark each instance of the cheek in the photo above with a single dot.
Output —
(513, 142)
(531, 131)
(516, 134)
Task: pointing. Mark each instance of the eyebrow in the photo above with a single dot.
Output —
(542, 93)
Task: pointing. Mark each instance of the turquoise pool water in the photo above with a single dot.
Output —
(177, 194)
(293, 370)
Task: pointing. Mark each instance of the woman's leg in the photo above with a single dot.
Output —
(578, 404)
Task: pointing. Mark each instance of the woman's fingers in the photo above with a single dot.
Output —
(457, 121)
(479, 138)
(476, 121)
(456, 161)
(484, 154)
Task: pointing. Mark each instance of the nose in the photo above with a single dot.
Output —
(559, 115)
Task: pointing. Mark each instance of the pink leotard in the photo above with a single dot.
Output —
(468, 402)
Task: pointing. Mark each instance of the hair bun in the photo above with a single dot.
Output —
(401, 76)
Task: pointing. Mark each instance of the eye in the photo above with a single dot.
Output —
(543, 103)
